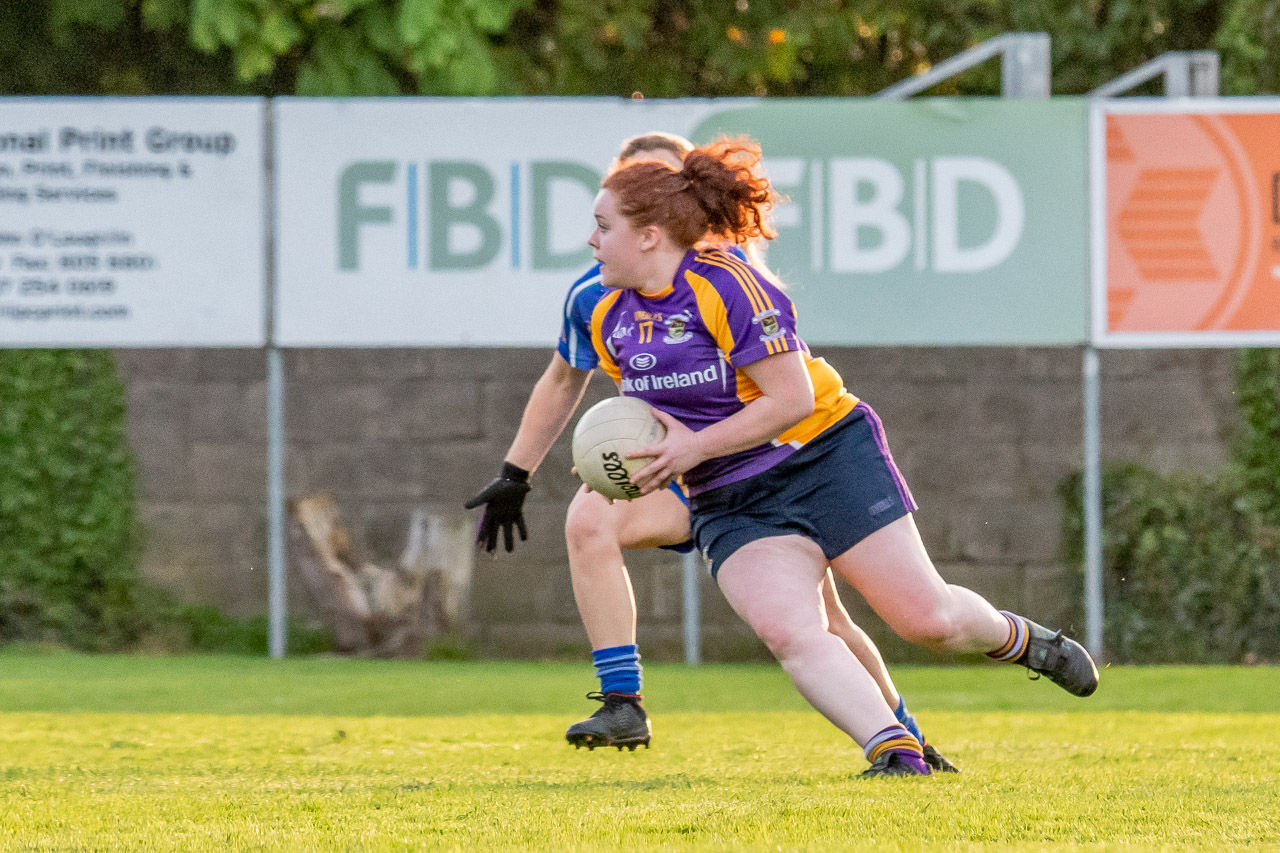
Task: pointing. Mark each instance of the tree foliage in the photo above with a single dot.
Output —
(102, 47)
(1256, 456)
(661, 48)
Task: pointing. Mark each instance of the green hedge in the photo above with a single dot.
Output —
(1191, 565)
(68, 533)
(69, 536)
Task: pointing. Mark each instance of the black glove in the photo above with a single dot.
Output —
(503, 500)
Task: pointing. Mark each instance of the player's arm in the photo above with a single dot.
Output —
(786, 398)
(555, 397)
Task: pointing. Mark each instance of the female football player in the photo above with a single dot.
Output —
(787, 471)
(597, 531)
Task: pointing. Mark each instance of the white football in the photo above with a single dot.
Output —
(605, 434)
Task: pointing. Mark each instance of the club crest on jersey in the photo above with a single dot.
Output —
(768, 323)
(677, 328)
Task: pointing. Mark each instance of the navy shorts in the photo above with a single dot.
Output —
(836, 490)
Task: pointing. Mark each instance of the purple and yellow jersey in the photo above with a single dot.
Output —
(683, 351)
(575, 330)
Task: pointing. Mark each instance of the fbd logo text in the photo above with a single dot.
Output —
(459, 215)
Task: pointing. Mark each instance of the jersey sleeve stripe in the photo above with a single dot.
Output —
(573, 339)
(755, 293)
(749, 275)
(711, 307)
(746, 277)
(756, 305)
(752, 297)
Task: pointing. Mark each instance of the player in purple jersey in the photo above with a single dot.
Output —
(597, 532)
(787, 471)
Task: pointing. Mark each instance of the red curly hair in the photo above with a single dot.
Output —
(718, 194)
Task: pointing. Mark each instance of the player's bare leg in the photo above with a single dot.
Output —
(774, 585)
(596, 533)
(893, 572)
(840, 623)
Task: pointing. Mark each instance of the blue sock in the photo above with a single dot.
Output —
(907, 719)
(618, 668)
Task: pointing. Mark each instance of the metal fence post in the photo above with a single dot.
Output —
(691, 571)
(1092, 504)
(277, 616)
(1185, 73)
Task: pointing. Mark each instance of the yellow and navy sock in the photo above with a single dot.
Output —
(897, 739)
(908, 719)
(1015, 648)
(618, 668)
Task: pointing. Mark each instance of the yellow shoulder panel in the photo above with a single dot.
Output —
(711, 309)
(750, 284)
(597, 334)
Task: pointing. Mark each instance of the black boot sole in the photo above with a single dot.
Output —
(591, 742)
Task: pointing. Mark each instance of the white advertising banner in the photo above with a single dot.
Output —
(463, 222)
(132, 222)
(442, 222)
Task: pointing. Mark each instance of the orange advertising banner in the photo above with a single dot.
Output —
(1192, 228)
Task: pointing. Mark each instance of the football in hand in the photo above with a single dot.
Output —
(605, 434)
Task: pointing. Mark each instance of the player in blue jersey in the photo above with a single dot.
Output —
(597, 531)
(787, 471)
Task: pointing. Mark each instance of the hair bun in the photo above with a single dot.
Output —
(718, 192)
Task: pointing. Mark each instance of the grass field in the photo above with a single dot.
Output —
(213, 753)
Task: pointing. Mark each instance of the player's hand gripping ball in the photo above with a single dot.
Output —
(605, 434)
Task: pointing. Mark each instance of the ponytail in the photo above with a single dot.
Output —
(719, 193)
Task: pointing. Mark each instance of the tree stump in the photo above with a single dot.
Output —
(378, 611)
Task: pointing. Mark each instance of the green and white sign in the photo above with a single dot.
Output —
(464, 221)
(442, 221)
(939, 221)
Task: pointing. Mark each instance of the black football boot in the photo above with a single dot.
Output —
(1062, 659)
(620, 721)
(937, 762)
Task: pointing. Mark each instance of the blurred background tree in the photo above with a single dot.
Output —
(661, 48)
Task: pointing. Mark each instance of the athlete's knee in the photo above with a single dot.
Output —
(788, 637)
(934, 625)
(588, 521)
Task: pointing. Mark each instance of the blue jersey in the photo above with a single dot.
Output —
(575, 330)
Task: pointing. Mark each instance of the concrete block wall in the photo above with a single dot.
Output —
(984, 437)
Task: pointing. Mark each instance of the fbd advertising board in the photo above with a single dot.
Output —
(132, 222)
(463, 222)
(1187, 223)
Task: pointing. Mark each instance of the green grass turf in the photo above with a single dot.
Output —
(212, 753)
